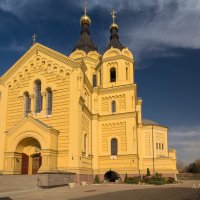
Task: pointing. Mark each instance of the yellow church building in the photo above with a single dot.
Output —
(79, 113)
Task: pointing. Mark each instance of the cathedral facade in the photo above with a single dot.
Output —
(78, 113)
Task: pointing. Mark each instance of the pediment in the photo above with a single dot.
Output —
(29, 123)
(39, 57)
(114, 52)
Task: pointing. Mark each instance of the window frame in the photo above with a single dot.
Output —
(27, 103)
(38, 96)
(113, 75)
(113, 106)
(49, 101)
(94, 80)
(114, 147)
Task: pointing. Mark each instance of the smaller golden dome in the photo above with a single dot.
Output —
(85, 20)
(114, 25)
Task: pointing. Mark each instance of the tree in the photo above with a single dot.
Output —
(193, 167)
(148, 172)
(96, 179)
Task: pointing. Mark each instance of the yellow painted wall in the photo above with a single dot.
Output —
(80, 109)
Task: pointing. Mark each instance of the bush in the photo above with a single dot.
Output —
(133, 180)
(125, 179)
(170, 180)
(157, 180)
(96, 179)
(146, 179)
(148, 172)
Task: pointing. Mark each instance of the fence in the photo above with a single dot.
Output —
(188, 176)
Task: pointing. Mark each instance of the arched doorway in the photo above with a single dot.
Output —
(36, 163)
(31, 160)
(111, 176)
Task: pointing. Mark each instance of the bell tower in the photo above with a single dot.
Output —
(117, 61)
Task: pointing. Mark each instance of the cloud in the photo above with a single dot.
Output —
(186, 141)
(13, 6)
(150, 25)
(149, 28)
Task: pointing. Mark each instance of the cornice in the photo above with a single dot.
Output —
(34, 50)
(116, 89)
(88, 84)
(117, 116)
(34, 121)
(156, 126)
(83, 66)
(117, 58)
(99, 63)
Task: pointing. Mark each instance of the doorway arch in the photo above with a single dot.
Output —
(111, 176)
(30, 156)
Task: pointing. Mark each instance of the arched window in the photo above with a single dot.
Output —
(27, 103)
(157, 146)
(38, 96)
(127, 73)
(113, 106)
(94, 80)
(162, 146)
(113, 75)
(49, 101)
(85, 143)
(114, 147)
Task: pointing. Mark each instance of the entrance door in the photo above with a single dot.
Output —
(25, 161)
(111, 176)
(37, 161)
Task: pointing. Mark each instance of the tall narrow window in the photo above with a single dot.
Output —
(113, 75)
(127, 73)
(162, 146)
(38, 96)
(94, 80)
(49, 101)
(113, 147)
(85, 143)
(157, 146)
(27, 103)
(113, 106)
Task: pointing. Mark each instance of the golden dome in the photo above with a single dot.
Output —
(85, 20)
(114, 25)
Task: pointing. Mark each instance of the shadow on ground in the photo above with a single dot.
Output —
(5, 198)
(148, 194)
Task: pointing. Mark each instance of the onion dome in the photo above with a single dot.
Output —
(85, 42)
(114, 37)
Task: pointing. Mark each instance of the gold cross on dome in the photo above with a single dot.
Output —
(85, 7)
(34, 37)
(113, 13)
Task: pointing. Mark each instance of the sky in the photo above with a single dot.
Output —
(164, 36)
